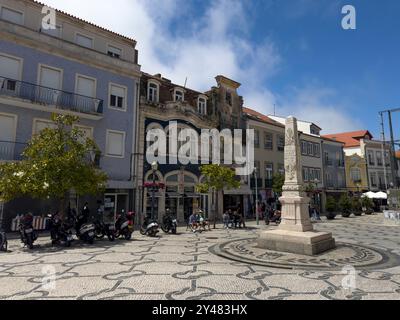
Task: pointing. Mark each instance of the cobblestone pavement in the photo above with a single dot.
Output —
(184, 266)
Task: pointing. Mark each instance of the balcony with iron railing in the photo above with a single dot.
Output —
(11, 151)
(50, 98)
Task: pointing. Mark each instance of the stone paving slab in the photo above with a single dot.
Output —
(184, 267)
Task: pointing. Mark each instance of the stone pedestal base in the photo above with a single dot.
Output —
(306, 243)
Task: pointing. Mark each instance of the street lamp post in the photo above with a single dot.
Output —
(154, 167)
(255, 178)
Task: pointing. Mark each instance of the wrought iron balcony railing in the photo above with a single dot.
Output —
(11, 151)
(50, 97)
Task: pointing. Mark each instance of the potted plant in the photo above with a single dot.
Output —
(367, 205)
(356, 206)
(331, 207)
(345, 205)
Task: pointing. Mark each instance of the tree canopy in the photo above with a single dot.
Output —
(218, 178)
(57, 160)
(277, 182)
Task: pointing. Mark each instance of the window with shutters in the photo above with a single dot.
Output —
(8, 126)
(115, 144)
(86, 131)
(12, 15)
(118, 97)
(41, 124)
(10, 71)
(85, 86)
(114, 52)
(50, 77)
(84, 41)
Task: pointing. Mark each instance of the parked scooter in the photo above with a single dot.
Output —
(3, 241)
(85, 231)
(26, 230)
(149, 227)
(124, 225)
(169, 223)
(60, 231)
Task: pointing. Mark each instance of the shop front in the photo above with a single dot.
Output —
(179, 195)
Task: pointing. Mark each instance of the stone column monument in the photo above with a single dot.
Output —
(295, 234)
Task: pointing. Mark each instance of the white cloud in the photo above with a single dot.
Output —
(315, 104)
(215, 42)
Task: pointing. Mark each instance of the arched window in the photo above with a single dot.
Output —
(189, 179)
(149, 177)
(172, 179)
(179, 95)
(202, 105)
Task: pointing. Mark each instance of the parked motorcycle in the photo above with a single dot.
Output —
(27, 232)
(85, 231)
(124, 225)
(3, 241)
(60, 231)
(149, 228)
(169, 223)
(103, 229)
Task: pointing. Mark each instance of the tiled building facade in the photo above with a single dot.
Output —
(77, 69)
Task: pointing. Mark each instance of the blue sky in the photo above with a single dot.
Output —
(291, 53)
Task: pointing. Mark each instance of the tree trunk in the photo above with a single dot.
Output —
(62, 207)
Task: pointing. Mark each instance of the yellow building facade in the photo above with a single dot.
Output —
(356, 173)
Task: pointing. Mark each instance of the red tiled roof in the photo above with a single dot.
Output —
(82, 20)
(350, 139)
(261, 117)
(398, 154)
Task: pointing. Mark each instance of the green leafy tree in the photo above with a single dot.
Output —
(278, 181)
(55, 162)
(331, 204)
(345, 205)
(367, 203)
(217, 179)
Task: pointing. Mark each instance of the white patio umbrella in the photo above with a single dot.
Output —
(381, 195)
(370, 194)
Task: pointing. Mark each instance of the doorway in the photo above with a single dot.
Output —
(114, 203)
